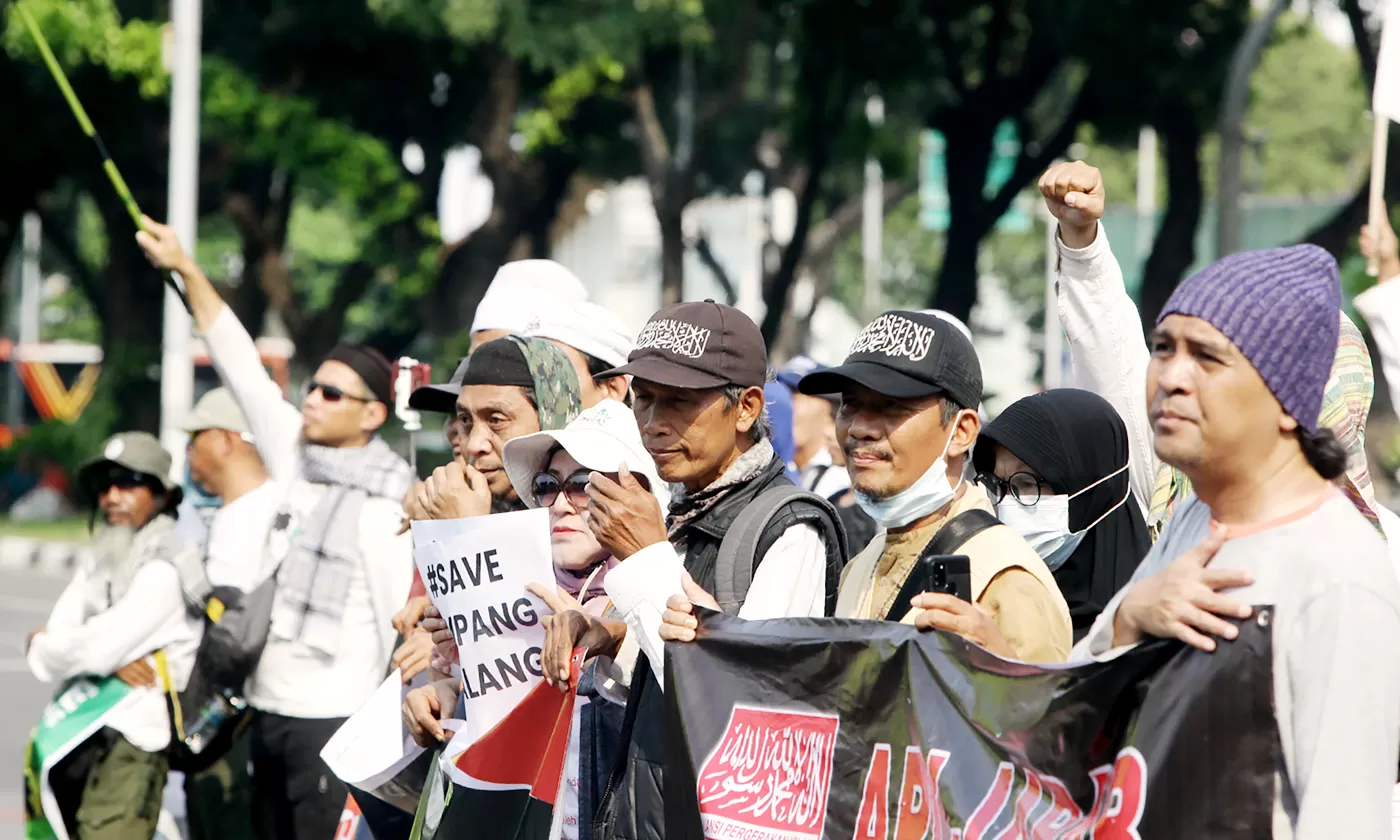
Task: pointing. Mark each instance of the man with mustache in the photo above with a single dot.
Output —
(122, 607)
(909, 390)
(698, 375)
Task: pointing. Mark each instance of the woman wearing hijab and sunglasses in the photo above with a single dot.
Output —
(1056, 466)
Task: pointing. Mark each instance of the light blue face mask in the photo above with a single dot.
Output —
(925, 496)
(1045, 524)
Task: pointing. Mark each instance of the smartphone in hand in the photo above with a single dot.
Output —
(947, 573)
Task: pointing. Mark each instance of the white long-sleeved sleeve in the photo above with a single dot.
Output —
(1342, 659)
(70, 607)
(789, 581)
(274, 422)
(113, 638)
(1380, 306)
(1107, 348)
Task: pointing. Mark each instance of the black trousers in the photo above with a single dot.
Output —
(295, 795)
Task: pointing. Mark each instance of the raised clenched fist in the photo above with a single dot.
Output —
(1074, 195)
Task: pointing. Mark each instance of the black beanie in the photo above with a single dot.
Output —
(498, 362)
(370, 364)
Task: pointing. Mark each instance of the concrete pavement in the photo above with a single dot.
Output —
(26, 594)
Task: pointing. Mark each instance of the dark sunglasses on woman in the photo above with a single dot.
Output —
(546, 486)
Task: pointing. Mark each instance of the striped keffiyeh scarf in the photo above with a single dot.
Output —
(324, 541)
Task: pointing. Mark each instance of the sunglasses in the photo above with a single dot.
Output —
(546, 487)
(122, 479)
(331, 393)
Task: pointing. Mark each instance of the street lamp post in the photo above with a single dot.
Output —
(182, 202)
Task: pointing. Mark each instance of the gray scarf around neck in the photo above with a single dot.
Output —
(688, 508)
(315, 575)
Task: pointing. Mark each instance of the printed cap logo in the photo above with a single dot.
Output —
(675, 337)
(896, 336)
(114, 450)
(769, 777)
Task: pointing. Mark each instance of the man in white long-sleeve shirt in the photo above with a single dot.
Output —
(120, 609)
(342, 569)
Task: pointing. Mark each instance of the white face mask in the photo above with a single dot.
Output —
(927, 494)
(1045, 524)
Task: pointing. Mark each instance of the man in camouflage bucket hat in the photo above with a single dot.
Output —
(124, 606)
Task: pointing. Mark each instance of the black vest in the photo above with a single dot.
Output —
(631, 805)
(701, 539)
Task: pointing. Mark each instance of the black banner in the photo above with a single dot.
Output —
(797, 729)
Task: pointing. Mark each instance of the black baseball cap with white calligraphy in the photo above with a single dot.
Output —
(906, 356)
(698, 345)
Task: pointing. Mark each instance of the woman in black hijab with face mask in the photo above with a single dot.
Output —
(1056, 466)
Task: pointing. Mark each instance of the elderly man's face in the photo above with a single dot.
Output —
(127, 498)
(1209, 406)
(490, 416)
(693, 435)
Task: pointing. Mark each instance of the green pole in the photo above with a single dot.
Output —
(108, 166)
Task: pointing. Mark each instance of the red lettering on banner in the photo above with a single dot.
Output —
(769, 776)
(915, 797)
(1026, 804)
(1102, 777)
(1063, 815)
(1123, 799)
(991, 806)
(1043, 810)
(873, 821)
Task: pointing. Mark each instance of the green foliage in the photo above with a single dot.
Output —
(288, 132)
(91, 32)
(1308, 108)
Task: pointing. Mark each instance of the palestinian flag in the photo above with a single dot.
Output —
(507, 783)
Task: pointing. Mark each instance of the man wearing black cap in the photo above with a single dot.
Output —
(123, 605)
(698, 373)
(343, 570)
(909, 390)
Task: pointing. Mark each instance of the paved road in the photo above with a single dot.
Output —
(25, 598)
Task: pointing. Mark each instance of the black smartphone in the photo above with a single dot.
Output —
(947, 573)
(950, 574)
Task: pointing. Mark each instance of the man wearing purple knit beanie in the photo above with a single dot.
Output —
(1240, 358)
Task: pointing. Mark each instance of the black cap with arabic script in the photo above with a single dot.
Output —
(906, 355)
(698, 345)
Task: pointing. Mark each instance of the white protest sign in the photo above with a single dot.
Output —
(476, 574)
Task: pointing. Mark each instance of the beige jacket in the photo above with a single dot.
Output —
(1009, 579)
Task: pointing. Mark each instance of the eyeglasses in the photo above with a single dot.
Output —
(1023, 486)
(331, 393)
(546, 488)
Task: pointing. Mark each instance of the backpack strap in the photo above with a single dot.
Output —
(958, 530)
(951, 537)
(734, 567)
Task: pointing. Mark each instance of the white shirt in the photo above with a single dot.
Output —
(236, 554)
(79, 638)
(292, 679)
(824, 478)
(789, 581)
